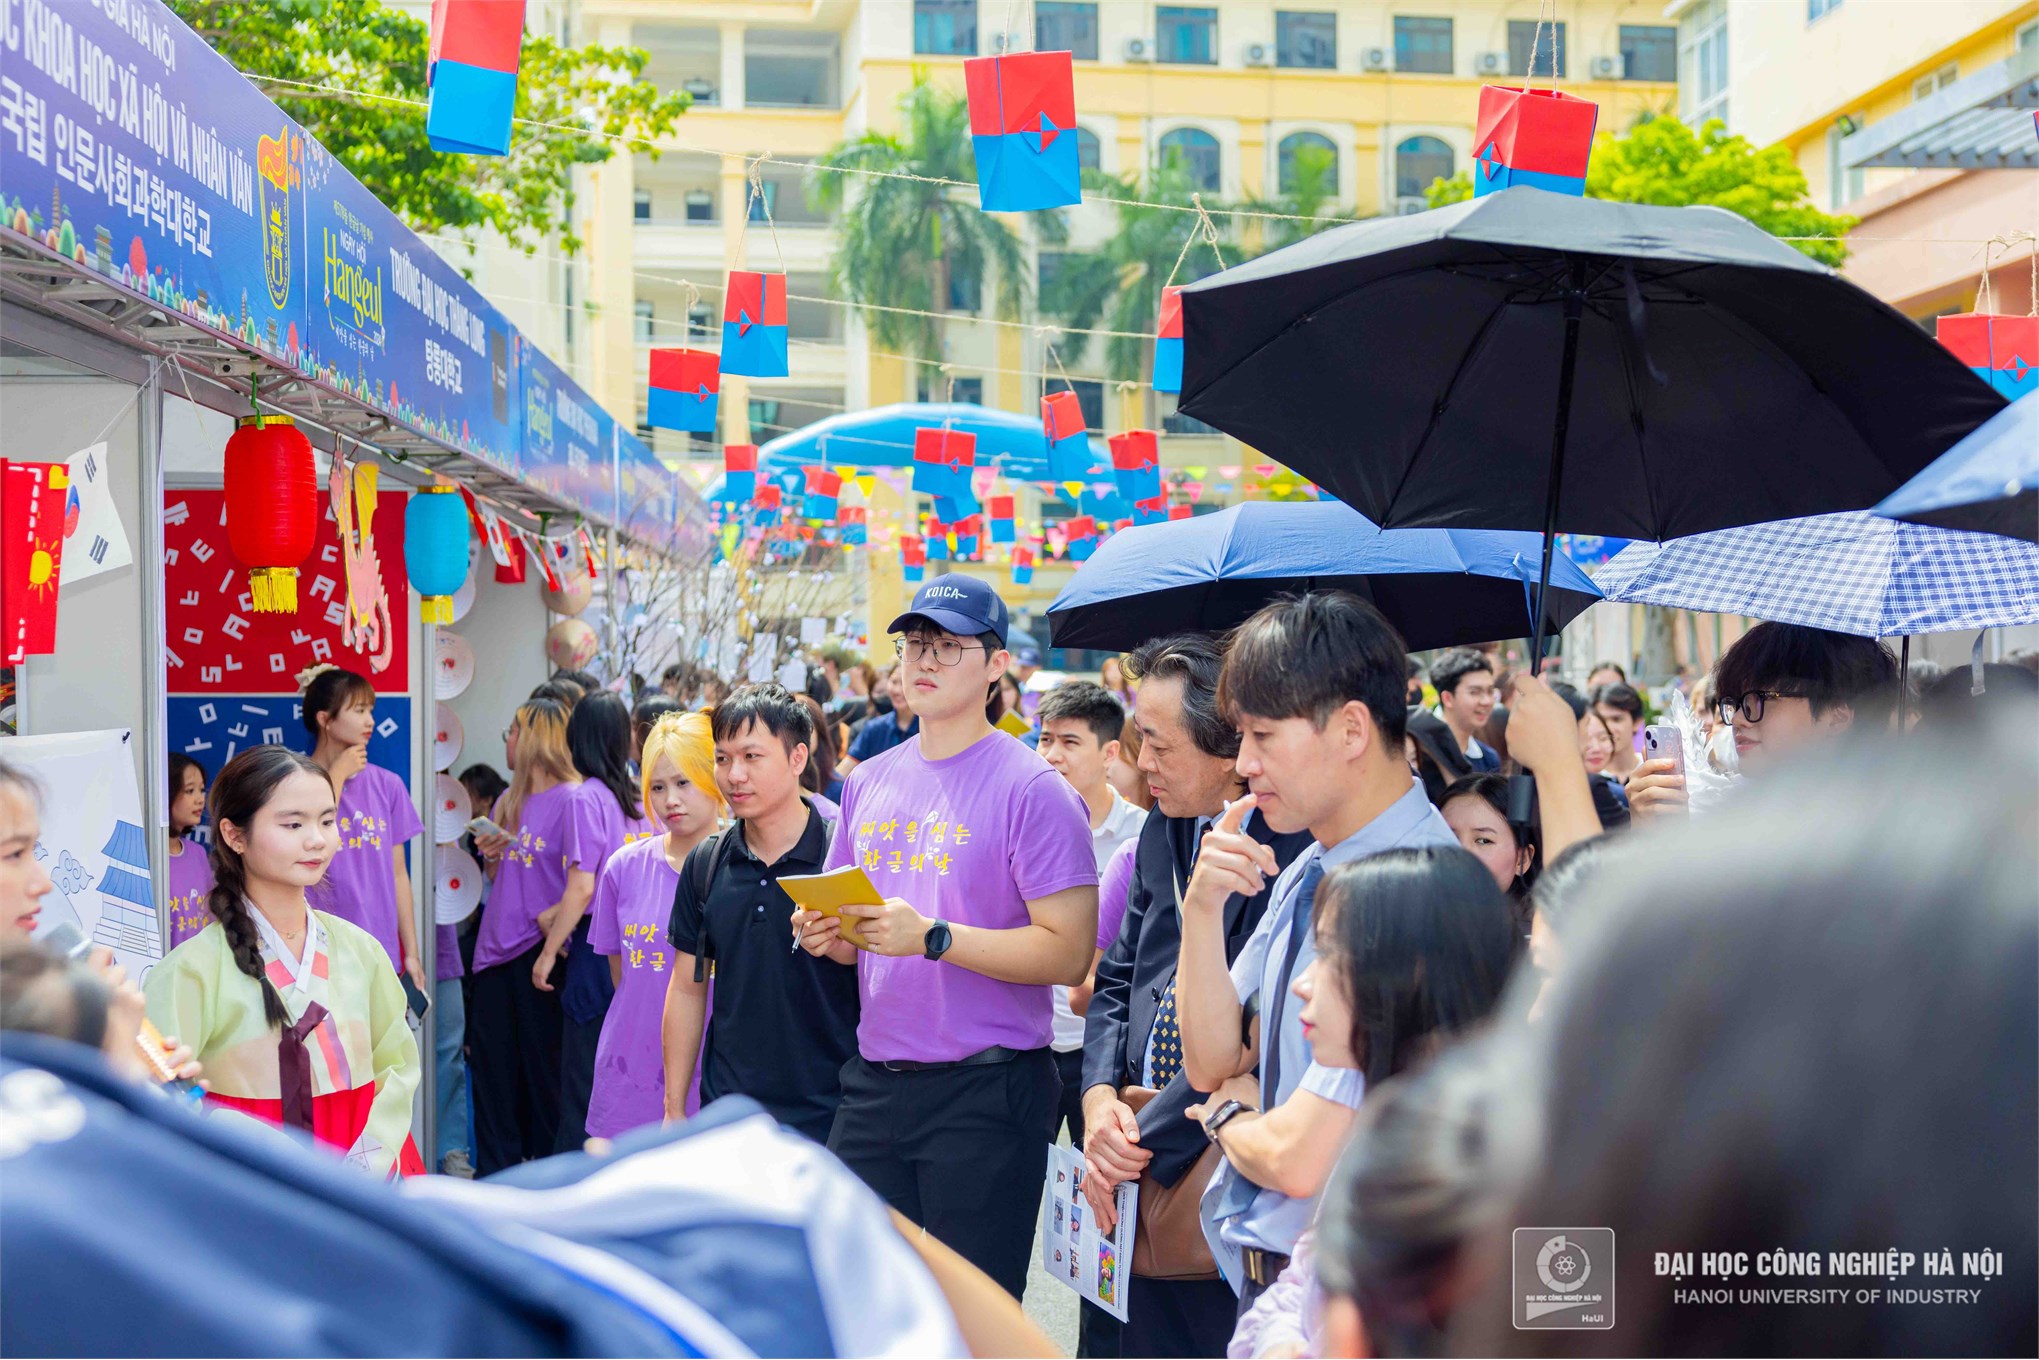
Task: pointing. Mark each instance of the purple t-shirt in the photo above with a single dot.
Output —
(632, 909)
(446, 953)
(190, 885)
(968, 840)
(376, 816)
(531, 877)
(1112, 891)
(597, 828)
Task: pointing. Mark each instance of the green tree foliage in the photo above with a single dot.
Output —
(901, 240)
(1308, 207)
(592, 93)
(1663, 161)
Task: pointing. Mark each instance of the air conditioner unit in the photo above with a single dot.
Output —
(1413, 204)
(1606, 68)
(1259, 54)
(1374, 59)
(1139, 49)
(702, 90)
(1491, 63)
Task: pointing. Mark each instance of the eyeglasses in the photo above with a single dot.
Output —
(948, 651)
(1750, 705)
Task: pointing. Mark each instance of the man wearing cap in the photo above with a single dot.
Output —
(983, 856)
(1026, 660)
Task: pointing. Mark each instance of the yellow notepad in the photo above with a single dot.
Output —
(829, 893)
(1012, 724)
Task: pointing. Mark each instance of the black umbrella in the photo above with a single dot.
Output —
(1530, 360)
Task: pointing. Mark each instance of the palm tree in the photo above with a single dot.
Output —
(902, 240)
(1120, 284)
(1305, 208)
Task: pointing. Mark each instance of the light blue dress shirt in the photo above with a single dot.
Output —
(1237, 1213)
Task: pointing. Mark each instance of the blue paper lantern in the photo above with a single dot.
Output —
(435, 549)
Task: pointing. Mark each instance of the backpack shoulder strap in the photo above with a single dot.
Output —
(703, 865)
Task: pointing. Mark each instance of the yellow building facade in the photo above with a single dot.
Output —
(1827, 78)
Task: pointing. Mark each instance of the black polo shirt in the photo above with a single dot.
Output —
(783, 1022)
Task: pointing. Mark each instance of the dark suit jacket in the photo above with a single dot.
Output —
(1136, 970)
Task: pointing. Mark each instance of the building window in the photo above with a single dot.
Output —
(1048, 267)
(1063, 26)
(1089, 396)
(966, 291)
(700, 205)
(1925, 87)
(1306, 39)
(1702, 62)
(640, 205)
(1844, 184)
(1815, 10)
(647, 322)
(967, 390)
(1198, 153)
(1175, 422)
(763, 205)
(1549, 48)
(699, 320)
(1423, 45)
(1311, 144)
(2028, 37)
(1185, 36)
(1087, 150)
(945, 28)
(1649, 52)
(1418, 161)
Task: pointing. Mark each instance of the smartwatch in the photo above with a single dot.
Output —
(937, 940)
(1218, 1118)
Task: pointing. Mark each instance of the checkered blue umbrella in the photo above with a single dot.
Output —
(1850, 573)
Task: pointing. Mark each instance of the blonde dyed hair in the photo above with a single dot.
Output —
(541, 748)
(688, 740)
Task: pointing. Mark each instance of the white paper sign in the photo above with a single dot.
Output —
(94, 541)
(764, 658)
(92, 842)
(793, 675)
(813, 632)
(1097, 1265)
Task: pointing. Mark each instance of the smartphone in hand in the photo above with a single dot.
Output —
(1662, 741)
(482, 826)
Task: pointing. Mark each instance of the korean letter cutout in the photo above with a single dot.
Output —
(1541, 138)
(1022, 128)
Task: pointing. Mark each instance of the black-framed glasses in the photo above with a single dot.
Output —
(948, 651)
(1750, 705)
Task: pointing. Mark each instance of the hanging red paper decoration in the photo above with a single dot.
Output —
(511, 573)
(272, 501)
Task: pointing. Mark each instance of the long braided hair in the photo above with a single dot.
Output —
(243, 788)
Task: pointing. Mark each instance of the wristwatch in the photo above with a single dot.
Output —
(936, 942)
(1217, 1119)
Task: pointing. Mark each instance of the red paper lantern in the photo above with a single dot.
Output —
(272, 501)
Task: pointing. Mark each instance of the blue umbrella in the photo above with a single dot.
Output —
(1988, 482)
(1439, 587)
(1016, 445)
(1850, 573)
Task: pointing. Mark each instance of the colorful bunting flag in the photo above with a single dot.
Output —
(1168, 342)
(686, 385)
(541, 552)
(754, 324)
(1022, 127)
(471, 75)
(2001, 350)
(855, 525)
(1541, 138)
(1068, 437)
(824, 485)
(1136, 464)
(1022, 566)
(588, 553)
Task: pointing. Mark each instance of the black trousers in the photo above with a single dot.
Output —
(576, 1080)
(961, 1151)
(513, 1038)
(1069, 1110)
(1166, 1318)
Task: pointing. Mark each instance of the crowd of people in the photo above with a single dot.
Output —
(1353, 962)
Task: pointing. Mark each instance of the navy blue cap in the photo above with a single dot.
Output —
(957, 604)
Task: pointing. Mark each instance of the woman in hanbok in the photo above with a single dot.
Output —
(296, 1014)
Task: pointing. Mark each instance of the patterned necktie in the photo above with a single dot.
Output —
(1273, 1006)
(1167, 1041)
